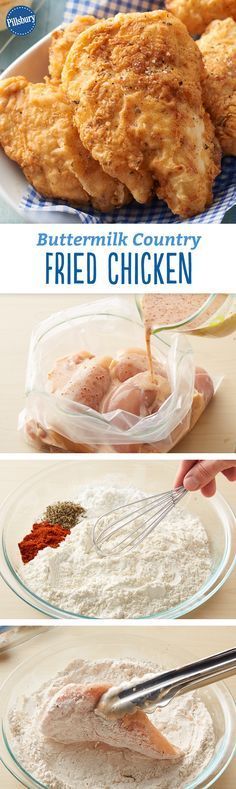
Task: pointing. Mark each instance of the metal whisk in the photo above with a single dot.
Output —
(123, 528)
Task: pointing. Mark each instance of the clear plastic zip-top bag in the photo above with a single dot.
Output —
(89, 387)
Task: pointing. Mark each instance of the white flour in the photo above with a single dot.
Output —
(167, 568)
(185, 722)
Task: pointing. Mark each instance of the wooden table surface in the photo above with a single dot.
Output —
(142, 642)
(13, 473)
(216, 429)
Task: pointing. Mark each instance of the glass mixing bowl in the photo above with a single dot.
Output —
(51, 653)
(62, 480)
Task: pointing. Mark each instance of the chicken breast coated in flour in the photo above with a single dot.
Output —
(70, 718)
(137, 81)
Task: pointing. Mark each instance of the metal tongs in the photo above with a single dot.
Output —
(160, 690)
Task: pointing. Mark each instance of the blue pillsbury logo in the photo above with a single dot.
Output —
(21, 20)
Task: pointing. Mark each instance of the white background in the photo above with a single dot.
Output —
(22, 267)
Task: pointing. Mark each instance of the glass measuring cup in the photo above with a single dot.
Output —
(214, 316)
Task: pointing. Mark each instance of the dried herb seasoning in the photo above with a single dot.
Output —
(67, 513)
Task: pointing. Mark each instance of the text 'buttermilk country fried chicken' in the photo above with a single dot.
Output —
(37, 131)
(61, 42)
(197, 14)
(137, 81)
(218, 48)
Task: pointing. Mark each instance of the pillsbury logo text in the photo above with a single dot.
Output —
(21, 20)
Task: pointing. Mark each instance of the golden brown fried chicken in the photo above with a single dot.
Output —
(40, 138)
(197, 14)
(218, 47)
(37, 132)
(62, 41)
(137, 81)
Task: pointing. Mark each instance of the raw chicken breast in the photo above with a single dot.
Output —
(89, 383)
(121, 386)
(138, 395)
(131, 362)
(204, 384)
(107, 384)
(70, 718)
(64, 368)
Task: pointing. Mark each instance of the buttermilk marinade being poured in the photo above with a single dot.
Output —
(131, 384)
(108, 384)
(104, 375)
(191, 313)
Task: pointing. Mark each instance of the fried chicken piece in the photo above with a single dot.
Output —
(197, 14)
(37, 132)
(137, 78)
(70, 718)
(218, 48)
(62, 41)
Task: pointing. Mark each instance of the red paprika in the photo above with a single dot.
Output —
(42, 535)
